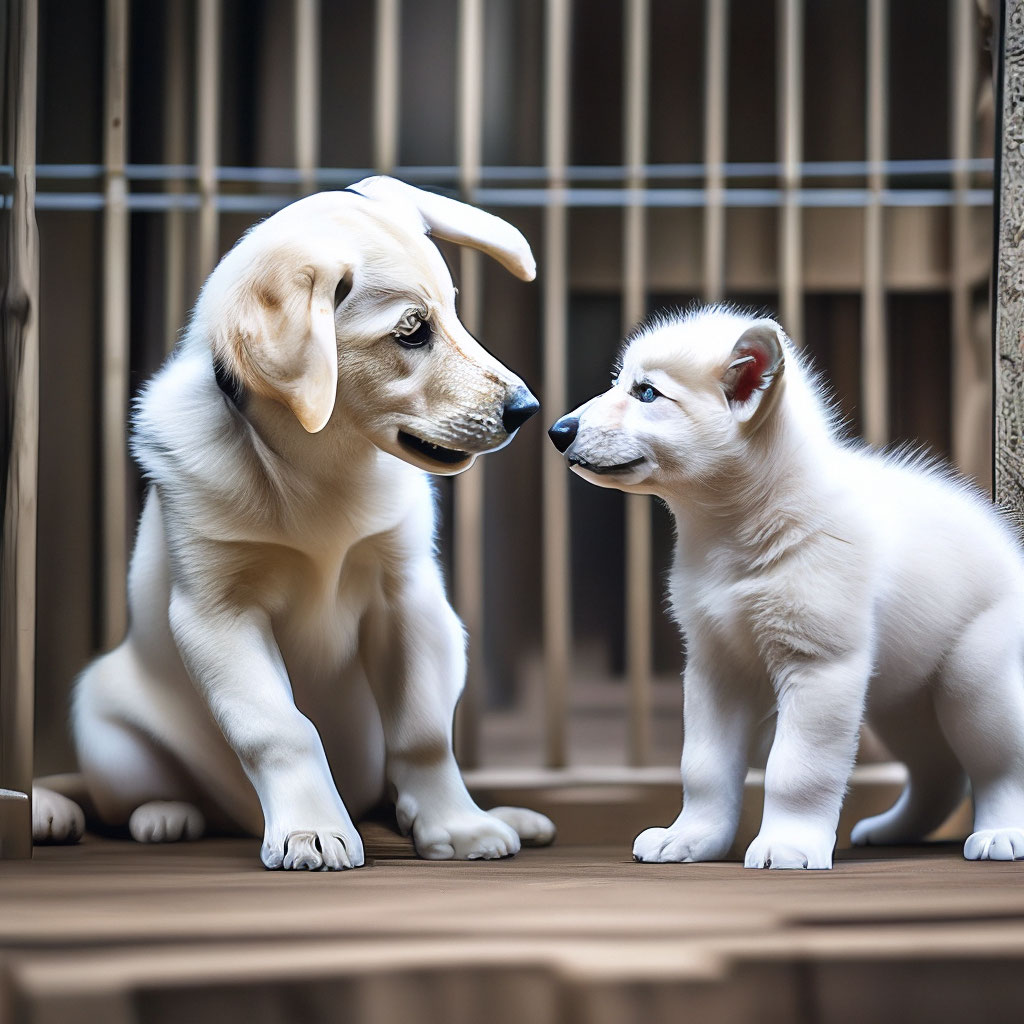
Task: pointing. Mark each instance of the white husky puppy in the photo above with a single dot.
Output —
(290, 641)
(815, 582)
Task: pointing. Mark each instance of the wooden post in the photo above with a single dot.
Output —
(1009, 275)
(20, 314)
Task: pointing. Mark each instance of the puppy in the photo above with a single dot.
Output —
(815, 582)
(291, 643)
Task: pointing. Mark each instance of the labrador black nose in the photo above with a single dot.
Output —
(563, 432)
(518, 409)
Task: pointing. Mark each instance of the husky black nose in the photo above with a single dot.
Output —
(518, 409)
(563, 432)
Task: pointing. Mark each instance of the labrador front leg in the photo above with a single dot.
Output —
(235, 663)
(819, 716)
(413, 648)
(717, 724)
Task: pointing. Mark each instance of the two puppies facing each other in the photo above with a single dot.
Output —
(291, 657)
(817, 584)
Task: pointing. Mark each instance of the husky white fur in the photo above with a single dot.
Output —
(290, 641)
(815, 582)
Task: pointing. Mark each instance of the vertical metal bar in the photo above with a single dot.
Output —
(19, 306)
(208, 32)
(1008, 318)
(469, 487)
(387, 45)
(174, 153)
(970, 370)
(307, 91)
(114, 389)
(638, 508)
(791, 66)
(557, 592)
(716, 70)
(874, 341)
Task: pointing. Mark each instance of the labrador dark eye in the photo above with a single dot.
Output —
(645, 392)
(413, 332)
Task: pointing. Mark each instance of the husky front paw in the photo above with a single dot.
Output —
(791, 848)
(316, 849)
(995, 844)
(678, 846)
(464, 835)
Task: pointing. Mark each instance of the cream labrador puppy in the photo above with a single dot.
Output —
(291, 653)
(815, 582)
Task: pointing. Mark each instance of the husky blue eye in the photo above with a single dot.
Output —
(645, 393)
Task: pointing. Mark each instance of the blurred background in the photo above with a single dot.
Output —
(826, 161)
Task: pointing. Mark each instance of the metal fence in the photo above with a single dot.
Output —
(782, 230)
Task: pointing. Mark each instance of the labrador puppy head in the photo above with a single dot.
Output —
(691, 394)
(342, 309)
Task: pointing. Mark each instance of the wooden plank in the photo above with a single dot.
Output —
(634, 300)
(555, 277)
(716, 84)
(387, 47)
(1009, 285)
(208, 46)
(114, 386)
(307, 91)
(469, 487)
(874, 341)
(20, 318)
(791, 127)
(174, 153)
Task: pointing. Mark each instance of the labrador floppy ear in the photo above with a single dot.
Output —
(753, 380)
(460, 223)
(277, 335)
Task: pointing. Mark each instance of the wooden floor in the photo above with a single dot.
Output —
(110, 931)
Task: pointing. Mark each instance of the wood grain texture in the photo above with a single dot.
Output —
(116, 932)
(1009, 294)
(20, 317)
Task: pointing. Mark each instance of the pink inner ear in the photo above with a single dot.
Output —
(751, 376)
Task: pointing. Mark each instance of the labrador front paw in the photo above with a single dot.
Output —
(670, 845)
(55, 818)
(318, 849)
(995, 844)
(166, 821)
(532, 827)
(791, 848)
(464, 835)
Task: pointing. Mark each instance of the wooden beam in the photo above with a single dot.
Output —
(20, 316)
(1009, 293)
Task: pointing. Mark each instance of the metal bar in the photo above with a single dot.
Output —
(1008, 314)
(174, 153)
(638, 508)
(791, 65)
(874, 341)
(557, 590)
(20, 320)
(469, 487)
(971, 368)
(716, 71)
(387, 46)
(208, 33)
(307, 91)
(114, 387)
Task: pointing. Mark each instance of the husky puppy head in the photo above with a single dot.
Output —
(690, 394)
(340, 308)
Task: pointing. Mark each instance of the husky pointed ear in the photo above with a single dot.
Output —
(460, 223)
(753, 379)
(277, 336)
